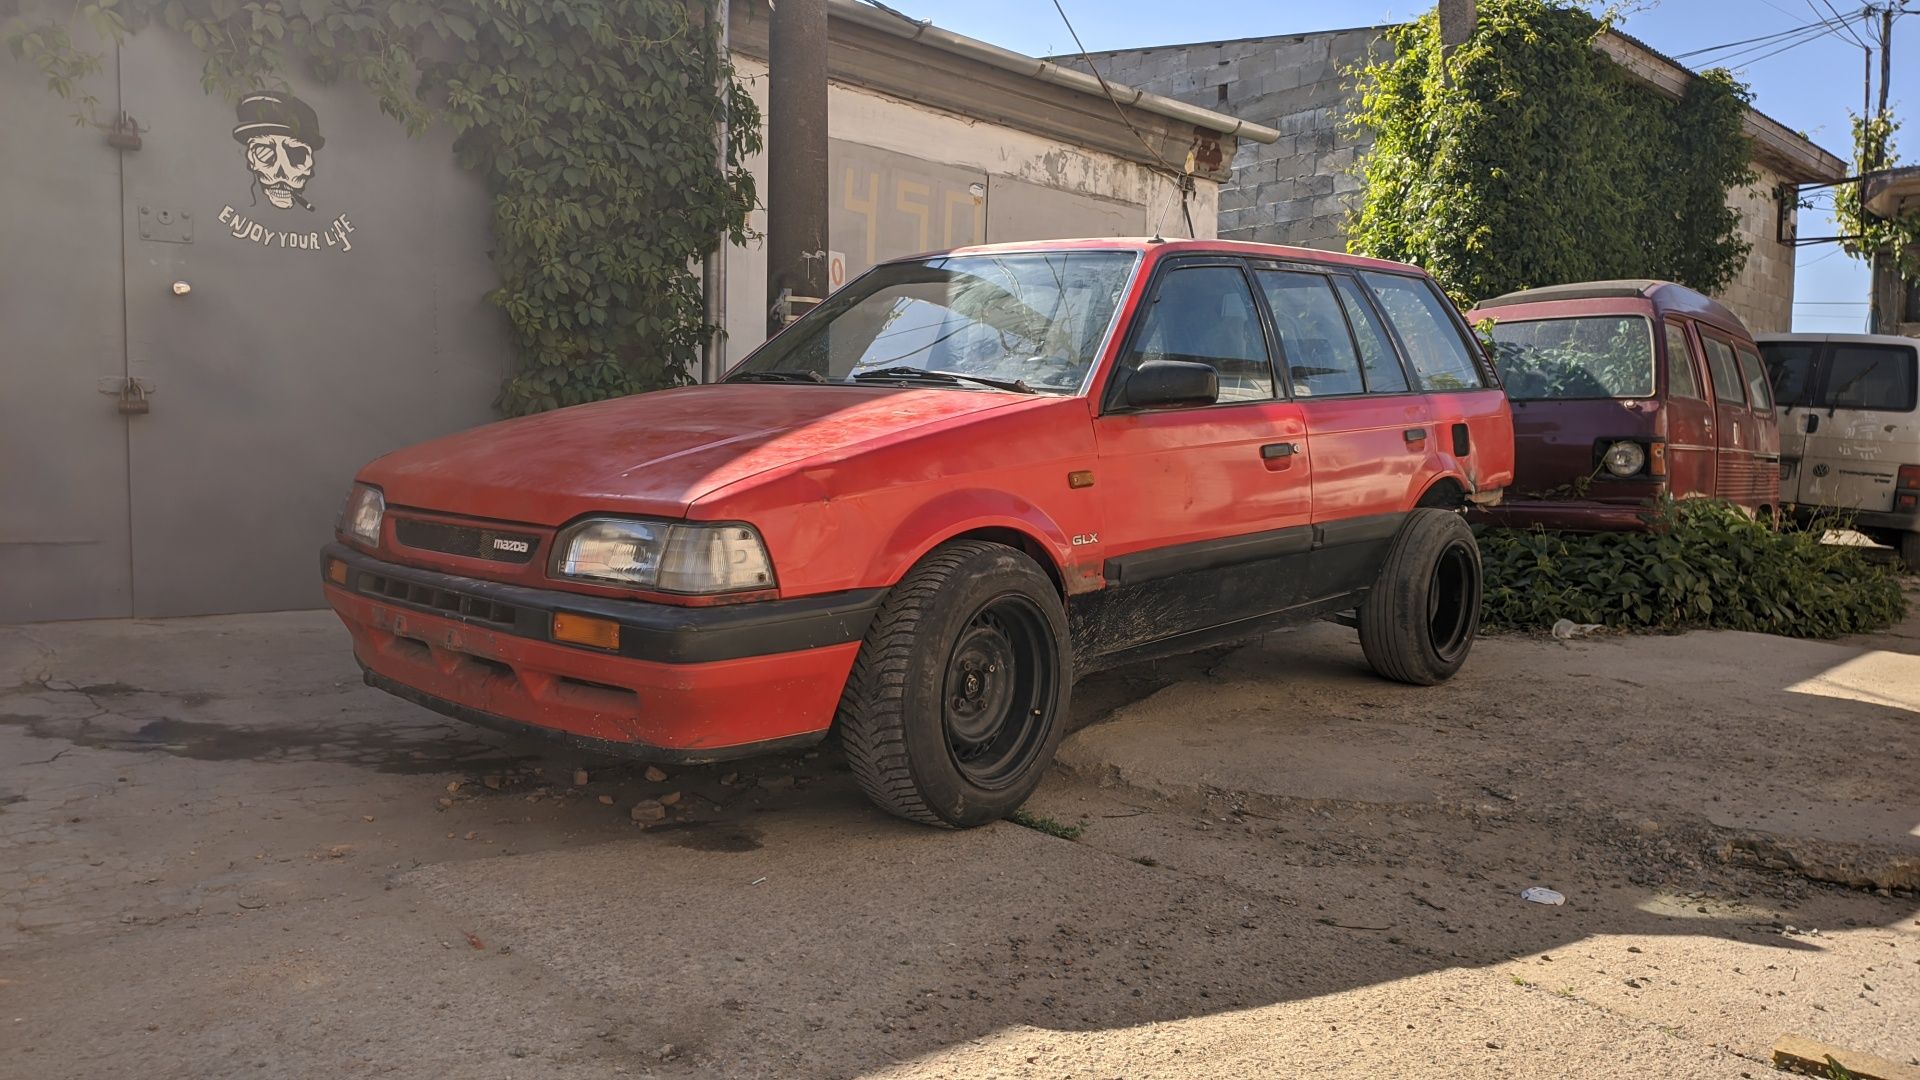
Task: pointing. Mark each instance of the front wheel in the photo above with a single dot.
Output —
(1418, 623)
(957, 700)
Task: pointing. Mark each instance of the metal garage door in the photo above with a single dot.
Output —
(301, 287)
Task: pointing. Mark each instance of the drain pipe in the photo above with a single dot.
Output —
(713, 269)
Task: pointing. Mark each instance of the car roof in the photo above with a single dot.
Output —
(1665, 296)
(1164, 247)
(1851, 339)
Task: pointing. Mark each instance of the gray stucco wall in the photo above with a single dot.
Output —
(1299, 189)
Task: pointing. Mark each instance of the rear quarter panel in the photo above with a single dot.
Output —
(1489, 463)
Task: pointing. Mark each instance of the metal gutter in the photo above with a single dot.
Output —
(1031, 67)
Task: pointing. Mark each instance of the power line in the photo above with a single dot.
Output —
(1764, 38)
(1845, 23)
(1749, 61)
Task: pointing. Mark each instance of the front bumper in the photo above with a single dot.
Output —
(687, 684)
(1567, 515)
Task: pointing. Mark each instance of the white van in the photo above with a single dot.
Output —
(1850, 430)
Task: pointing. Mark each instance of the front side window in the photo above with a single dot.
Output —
(1755, 373)
(1728, 386)
(1681, 380)
(1790, 367)
(1877, 377)
(1206, 315)
(1606, 356)
(1319, 352)
(1035, 320)
(1439, 354)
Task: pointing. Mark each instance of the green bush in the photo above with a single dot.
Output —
(1702, 564)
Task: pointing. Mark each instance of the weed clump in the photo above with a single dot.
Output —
(1700, 564)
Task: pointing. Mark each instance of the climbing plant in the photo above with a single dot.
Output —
(1525, 157)
(592, 122)
(1895, 238)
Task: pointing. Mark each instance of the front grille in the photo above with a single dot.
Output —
(432, 599)
(496, 545)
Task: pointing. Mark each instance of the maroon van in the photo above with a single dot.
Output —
(1624, 391)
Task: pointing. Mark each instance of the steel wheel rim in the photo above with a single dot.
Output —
(1453, 596)
(997, 690)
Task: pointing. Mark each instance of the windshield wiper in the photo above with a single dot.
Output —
(949, 378)
(778, 376)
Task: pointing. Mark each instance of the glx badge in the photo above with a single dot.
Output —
(1084, 539)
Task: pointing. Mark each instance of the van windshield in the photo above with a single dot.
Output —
(1607, 356)
(1031, 321)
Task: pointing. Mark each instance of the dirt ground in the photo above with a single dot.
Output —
(222, 856)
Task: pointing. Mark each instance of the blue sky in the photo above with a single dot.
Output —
(1808, 87)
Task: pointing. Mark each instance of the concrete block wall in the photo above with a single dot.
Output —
(1298, 190)
(1762, 293)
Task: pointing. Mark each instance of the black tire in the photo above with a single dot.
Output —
(1418, 623)
(1909, 548)
(959, 695)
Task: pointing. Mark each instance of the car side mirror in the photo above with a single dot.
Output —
(1160, 383)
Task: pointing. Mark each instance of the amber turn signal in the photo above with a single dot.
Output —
(1080, 478)
(337, 572)
(586, 630)
(1657, 459)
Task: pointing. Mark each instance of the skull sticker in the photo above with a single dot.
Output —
(280, 136)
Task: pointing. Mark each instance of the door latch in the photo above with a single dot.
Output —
(130, 394)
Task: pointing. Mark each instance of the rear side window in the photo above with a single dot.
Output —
(1877, 377)
(1377, 358)
(1728, 386)
(1438, 352)
(1313, 334)
(1790, 369)
(1205, 315)
(1681, 381)
(1756, 376)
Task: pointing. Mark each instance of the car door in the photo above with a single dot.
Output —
(1691, 451)
(1205, 508)
(1853, 456)
(1371, 431)
(1734, 437)
(1764, 429)
(1793, 369)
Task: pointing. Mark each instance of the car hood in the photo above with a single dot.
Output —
(654, 453)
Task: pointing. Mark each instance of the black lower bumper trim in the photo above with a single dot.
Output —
(637, 751)
(663, 633)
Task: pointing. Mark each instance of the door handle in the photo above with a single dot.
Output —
(1278, 450)
(1415, 434)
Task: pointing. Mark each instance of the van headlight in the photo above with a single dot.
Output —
(360, 517)
(1625, 458)
(665, 556)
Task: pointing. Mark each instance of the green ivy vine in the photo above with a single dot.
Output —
(592, 122)
(1896, 238)
(1524, 157)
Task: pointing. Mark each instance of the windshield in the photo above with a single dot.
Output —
(1609, 356)
(1033, 321)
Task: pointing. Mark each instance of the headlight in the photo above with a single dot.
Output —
(1625, 458)
(360, 518)
(674, 557)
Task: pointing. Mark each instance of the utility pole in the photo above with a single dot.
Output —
(713, 271)
(796, 160)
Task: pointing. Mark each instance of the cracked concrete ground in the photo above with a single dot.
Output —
(220, 855)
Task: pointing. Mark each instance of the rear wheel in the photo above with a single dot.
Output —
(1418, 624)
(957, 700)
(1909, 548)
